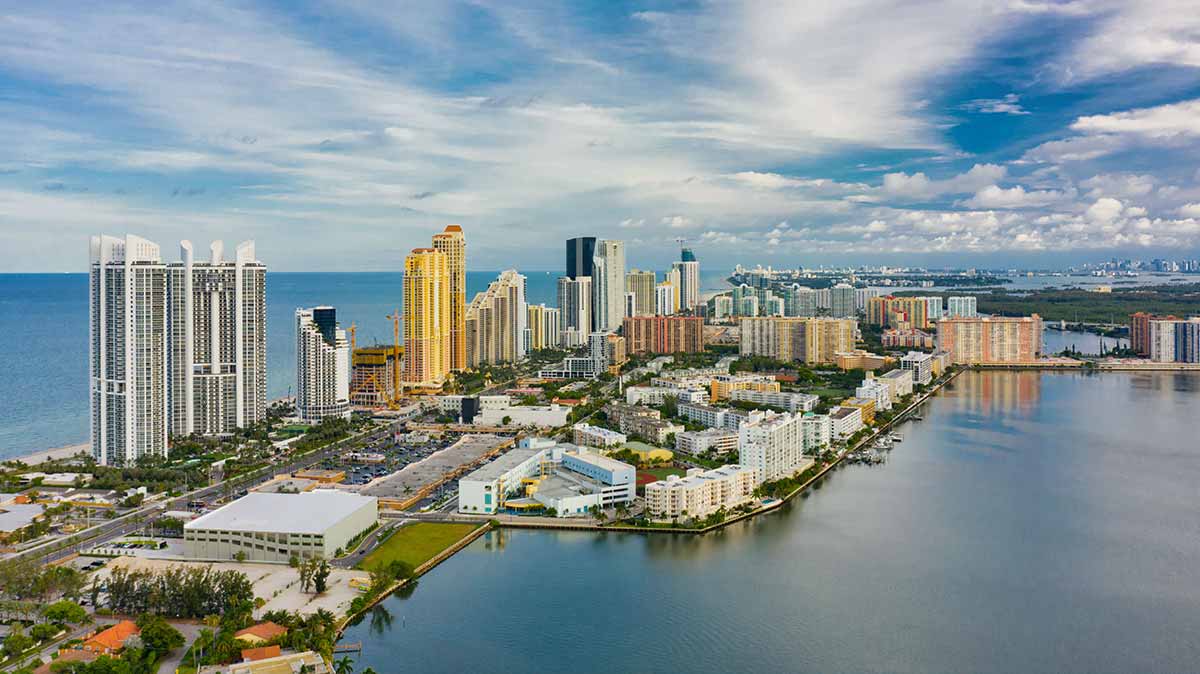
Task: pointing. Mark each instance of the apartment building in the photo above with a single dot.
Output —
(701, 493)
(991, 340)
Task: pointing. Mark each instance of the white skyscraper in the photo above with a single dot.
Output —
(689, 280)
(322, 366)
(664, 299)
(575, 309)
(773, 445)
(127, 349)
(841, 301)
(608, 285)
(217, 344)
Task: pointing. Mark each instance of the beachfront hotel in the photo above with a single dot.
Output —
(322, 366)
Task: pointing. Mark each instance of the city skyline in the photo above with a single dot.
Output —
(941, 135)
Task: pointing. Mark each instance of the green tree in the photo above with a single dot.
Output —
(44, 631)
(344, 665)
(321, 577)
(158, 636)
(65, 611)
(17, 642)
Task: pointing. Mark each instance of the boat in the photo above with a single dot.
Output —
(896, 437)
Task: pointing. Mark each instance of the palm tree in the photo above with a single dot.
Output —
(344, 665)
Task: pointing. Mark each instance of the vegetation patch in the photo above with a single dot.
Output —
(416, 544)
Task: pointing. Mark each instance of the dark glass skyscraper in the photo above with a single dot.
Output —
(326, 320)
(579, 256)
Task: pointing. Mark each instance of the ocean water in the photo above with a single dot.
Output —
(43, 320)
(1033, 522)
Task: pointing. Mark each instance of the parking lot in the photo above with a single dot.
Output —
(467, 450)
(382, 458)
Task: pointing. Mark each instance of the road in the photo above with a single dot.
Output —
(130, 522)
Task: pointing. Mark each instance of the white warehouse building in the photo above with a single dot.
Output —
(270, 527)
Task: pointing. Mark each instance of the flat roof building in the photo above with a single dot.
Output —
(273, 527)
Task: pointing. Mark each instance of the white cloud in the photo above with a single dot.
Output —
(677, 222)
(1190, 210)
(1119, 185)
(1175, 119)
(994, 196)
(1010, 104)
(1135, 34)
(630, 223)
(919, 186)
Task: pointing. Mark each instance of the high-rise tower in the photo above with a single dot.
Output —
(127, 350)
(322, 366)
(453, 245)
(608, 286)
(426, 318)
(689, 279)
(580, 252)
(217, 344)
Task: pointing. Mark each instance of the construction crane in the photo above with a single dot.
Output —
(353, 343)
(395, 319)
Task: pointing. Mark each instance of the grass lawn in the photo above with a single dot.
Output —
(664, 472)
(417, 543)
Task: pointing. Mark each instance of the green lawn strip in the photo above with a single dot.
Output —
(416, 543)
(662, 472)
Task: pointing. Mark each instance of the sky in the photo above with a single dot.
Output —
(340, 134)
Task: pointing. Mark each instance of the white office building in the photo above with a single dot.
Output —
(608, 286)
(587, 435)
(272, 527)
(127, 350)
(657, 395)
(921, 366)
(485, 489)
(876, 390)
(217, 343)
(773, 446)
(792, 402)
(322, 366)
(718, 440)
(961, 307)
(845, 421)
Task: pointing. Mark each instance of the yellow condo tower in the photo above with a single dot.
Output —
(426, 319)
(453, 245)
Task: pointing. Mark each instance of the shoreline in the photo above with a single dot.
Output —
(41, 456)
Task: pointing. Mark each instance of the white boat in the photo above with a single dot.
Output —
(896, 437)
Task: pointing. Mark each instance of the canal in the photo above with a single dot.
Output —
(1031, 522)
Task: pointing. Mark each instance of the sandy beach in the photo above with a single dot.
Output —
(67, 451)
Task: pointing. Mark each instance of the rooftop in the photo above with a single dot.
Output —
(842, 412)
(310, 512)
(501, 465)
(600, 460)
(19, 516)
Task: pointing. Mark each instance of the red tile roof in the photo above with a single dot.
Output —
(260, 653)
(264, 630)
(113, 638)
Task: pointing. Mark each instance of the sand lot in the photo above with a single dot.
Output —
(278, 584)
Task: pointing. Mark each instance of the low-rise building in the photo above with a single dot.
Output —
(701, 492)
(652, 429)
(274, 527)
(718, 440)
(724, 384)
(485, 489)
(287, 663)
(900, 381)
(908, 338)
(545, 416)
(17, 519)
(876, 390)
(657, 395)
(921, 366)
(859, 359)
(111, 640)
(866, 405)
(619, 412)
(792, 402)
(717, 417)
(845, 421)
(587, 435)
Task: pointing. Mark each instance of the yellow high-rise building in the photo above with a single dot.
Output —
(427, 315)
(453, 245)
